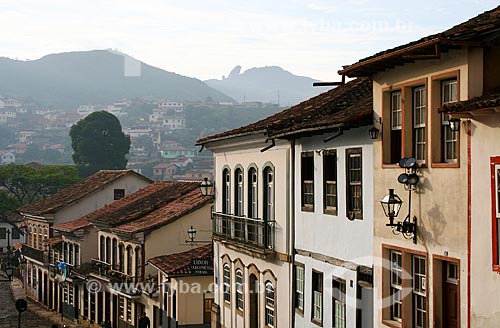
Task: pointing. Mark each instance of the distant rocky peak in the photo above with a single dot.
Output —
(234, 72)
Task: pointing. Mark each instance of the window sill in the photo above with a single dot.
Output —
(390, 166)
(392, 323)
(332, 212)
(446, 165)
(299, 312)
(307, 209)
(317, 322)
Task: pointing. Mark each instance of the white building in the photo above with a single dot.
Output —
(7, 157)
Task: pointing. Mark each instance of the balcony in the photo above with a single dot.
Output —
(35, 254)
(111, 272)
(253, 233)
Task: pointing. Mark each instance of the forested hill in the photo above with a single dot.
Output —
(67, 80)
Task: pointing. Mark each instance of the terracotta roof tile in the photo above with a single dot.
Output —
(486, 101)
(74, 225)
(180, 263)
(350, 104)
(151, 206)
(482, 28)
(75, 192)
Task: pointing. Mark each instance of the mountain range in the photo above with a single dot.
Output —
(67, 80)
(267, 84)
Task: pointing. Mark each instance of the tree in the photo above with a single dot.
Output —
(99, 143)
(28, 184)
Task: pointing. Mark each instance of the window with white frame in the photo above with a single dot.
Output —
(338, 301)
(307, 178)
(129, 310)
(238, 192)
(449, 137)
(226, 279)
(419, 292)
(239, 289)
(269, 304)
(396, 116)
(299, 287)
(121, 307)
(70, 293)
(268, 194)
(252, 193)
(396, 285)
(419, 118)
(330, 181)
(226, 191)
(317, 297)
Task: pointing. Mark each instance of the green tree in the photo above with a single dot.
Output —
(99, 143)
(27, 184)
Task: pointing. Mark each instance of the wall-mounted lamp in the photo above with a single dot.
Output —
(391, 203)
(207, 187)
(373, 132)
(192, 233)
(454, 124)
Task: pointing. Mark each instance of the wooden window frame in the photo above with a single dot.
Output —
(226, 285)
(307, 180)
(420, 126)
(317, 287)
(238, 284)
(253, 193)
(330, 177)
(270, 308)
(340, 298)
(437, 150)
(118, 194)
(351, 212)
(407, 142)
(495, 212)
(297, 292)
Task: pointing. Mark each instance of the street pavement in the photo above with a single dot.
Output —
(35, 317)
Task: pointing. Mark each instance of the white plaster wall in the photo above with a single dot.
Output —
(329, 271)
(333, 235)
(100, 198)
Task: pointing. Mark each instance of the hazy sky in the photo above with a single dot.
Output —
(207, 38)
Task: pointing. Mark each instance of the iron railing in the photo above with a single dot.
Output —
(256, 233)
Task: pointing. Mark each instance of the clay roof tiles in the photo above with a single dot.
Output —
(487, 101)
(350, 104)
(75, 192)
(482, 28)
(180, 264)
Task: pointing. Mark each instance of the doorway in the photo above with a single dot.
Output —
(254, 301)
(450, 296)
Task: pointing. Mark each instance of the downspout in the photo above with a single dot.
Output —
(292, 228)
(469, 217)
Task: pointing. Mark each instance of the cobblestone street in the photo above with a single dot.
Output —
(34, 317)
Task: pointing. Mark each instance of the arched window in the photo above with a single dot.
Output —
(130, 258)
(114, 250)
(102, 249)
(227, 283)
(226, 191)
(268, 194)
(108, 250)
(70, 253)
(252, 193)
(29, 236)
(138, 262)
(121, 258)
(269, 304)
(40, 238)
(239, 289)
(238, 192)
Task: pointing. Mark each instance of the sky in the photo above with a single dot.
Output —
(207, 38)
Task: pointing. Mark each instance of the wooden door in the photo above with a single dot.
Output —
(254, 302)
(451, 312)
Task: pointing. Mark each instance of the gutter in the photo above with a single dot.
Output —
(315, 129)
(230, 137)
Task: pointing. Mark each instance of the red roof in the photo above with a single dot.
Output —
(482, 29)
(180, 264)
(75, 192)
(487, 101)
(152, 206)
(74, 225)
(347, 105)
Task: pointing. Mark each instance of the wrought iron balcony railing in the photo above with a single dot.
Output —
(255, 233)
(112, 272)
(35, 254)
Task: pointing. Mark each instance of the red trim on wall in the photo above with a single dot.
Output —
(494, 238)
(469, 217)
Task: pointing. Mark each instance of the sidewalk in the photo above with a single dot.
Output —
(18, 292)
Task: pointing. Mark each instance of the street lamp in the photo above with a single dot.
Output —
(391, 204)
(207, 187)
(373, 132)
(192, 233)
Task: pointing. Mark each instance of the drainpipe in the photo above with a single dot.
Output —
(469, 216)
(292, 228)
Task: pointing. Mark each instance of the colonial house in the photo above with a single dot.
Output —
(164, 171)
(252, 229)
(435, 263)
(151, 222)
(96, 191)
(10, 233)
(7, 157)
(185, 280)
(333, 206)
